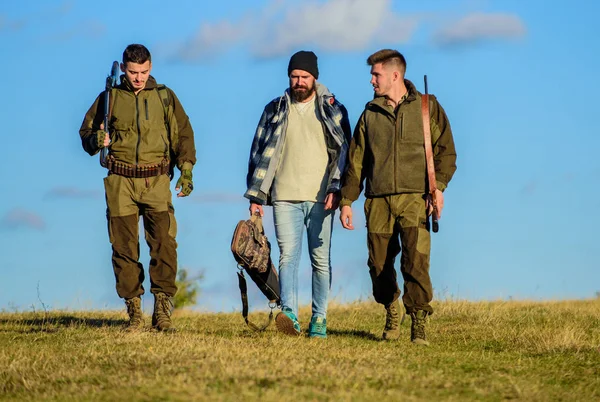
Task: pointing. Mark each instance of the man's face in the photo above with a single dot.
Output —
(381, 79)
(302, 85)
(137, 74)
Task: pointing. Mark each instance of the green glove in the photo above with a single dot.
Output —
(185, 180)
(100, 137)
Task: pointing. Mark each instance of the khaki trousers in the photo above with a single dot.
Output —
(127, 199)
(399, 223)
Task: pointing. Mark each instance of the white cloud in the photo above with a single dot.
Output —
(337, 25)
(7, 24)
(212, 39)
(480, 26)
(284, 26)
(21, 218)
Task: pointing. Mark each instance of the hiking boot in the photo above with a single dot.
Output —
(161, 318)
(134, 311)
(287, 322)
(391, 331)
(417, 329)
(317, 328)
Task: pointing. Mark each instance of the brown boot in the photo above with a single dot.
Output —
(161, 318)
(134, 311)
(391, 331)
(417, 329)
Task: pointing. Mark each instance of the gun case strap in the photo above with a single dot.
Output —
(244, 294)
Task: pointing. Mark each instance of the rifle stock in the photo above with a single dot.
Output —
(111, 82)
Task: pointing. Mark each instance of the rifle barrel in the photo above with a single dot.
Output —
(111, 82)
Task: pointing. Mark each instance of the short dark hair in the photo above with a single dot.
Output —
(387, 56)
(136, 53)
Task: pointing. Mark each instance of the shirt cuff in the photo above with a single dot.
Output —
(186, 166)
(345, 202)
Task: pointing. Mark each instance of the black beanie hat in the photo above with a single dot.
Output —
(304, 60)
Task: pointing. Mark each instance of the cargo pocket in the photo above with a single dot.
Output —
(367, 208)
(423, 237)
(172, 221)
(109, 227)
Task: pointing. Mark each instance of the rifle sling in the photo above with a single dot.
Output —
(428, 147)
(429, 159)
(244, 294)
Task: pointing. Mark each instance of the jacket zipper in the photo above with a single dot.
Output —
(146, 107)
(397, 136)
(139, 139)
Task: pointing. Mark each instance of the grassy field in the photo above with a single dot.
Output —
(484, 351)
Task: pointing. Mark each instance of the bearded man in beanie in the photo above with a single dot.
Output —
(297, 159)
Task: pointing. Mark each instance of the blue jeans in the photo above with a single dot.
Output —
(290, 220)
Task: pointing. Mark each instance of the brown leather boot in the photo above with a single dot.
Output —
(134, 311)
(161, 318)
(391, 330)
(417, 329)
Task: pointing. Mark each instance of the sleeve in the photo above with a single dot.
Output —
(353, 177)
(186, 144)
(346, 124)
(342, 162)
(444, 152)
(257, 146)
(91, 124)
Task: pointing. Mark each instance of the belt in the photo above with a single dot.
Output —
(130, 170)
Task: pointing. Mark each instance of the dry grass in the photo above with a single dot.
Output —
(530, 351)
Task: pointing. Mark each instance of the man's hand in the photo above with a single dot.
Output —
(185, 181)
(439, 198)
(102, 139)
(346, 217)
(256, 207)
(332, 201)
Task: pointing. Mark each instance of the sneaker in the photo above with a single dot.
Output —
(134, 311)
(317, 328)
(391, 330)
(161, 318)
(417, 329)
(287, 322)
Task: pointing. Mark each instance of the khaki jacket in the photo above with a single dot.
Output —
(387, 149)
(142, 129)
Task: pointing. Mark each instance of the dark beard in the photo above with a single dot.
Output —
(301, 94)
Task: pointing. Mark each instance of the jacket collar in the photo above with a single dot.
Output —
(381, 101)
(125, 85)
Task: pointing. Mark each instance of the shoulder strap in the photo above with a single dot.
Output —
(244, 294)
(427, 139)
(111, 106)
(163, 93)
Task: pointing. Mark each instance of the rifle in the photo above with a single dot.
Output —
(111, 82)
(429, 157)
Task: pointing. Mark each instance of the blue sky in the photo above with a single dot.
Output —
(518, 80)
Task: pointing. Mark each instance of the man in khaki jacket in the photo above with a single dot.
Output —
(147, 135)
(387, 151)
